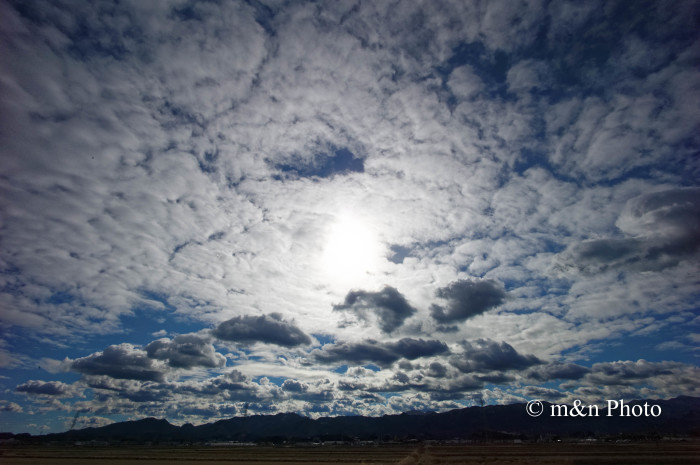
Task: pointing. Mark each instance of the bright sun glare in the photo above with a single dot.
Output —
(351, 250)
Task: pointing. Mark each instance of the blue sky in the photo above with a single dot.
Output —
(338, 208)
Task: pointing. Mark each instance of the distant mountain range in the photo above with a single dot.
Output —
(679, 416)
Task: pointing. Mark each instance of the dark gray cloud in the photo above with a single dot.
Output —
(626, 378)
(381, 353)
(293, 385)
(222, 388)
(456, 387)
(389, 306)
(316, 392)
(405, 365)
(538, 392)
(630, 373)
(496, 378)
(401, 377)
(233, 382)
(123, 361)
(558, 370)
(600, 254)
(436, 370)
(147, 394)
(357, 352)
(109, 389)
(402, 382)
(46, 388)
(270, 329)
(669, 212)
(487, 355)
(351, 385)
(662, 228)
(467, 298)
(414, 348)
(106, 383)
(186, 351)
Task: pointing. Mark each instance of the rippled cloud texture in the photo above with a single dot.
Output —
(344, 207)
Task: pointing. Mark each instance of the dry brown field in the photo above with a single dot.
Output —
(516, 454)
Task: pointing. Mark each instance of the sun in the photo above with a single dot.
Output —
(351, 251)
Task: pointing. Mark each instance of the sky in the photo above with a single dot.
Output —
(215, 208)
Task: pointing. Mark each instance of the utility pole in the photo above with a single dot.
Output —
(75, 420)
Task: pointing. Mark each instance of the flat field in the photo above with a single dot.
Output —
(494, 454)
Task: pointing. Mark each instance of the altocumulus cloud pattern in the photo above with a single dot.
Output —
(344, 207)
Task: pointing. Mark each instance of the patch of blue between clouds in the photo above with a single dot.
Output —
(532, 158)
(60, 297)
(399, 253)
(657, 347)
(207, 162)
(264, 15)
(36, 350)
(85, 42)
(324, 339)
(661, 345)
(650, 171)
(570, 59)
(276, 380)
(187, 13)
(417, 249)
(492, 68)
(145, 321)
(342, 369)
(340, 161)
